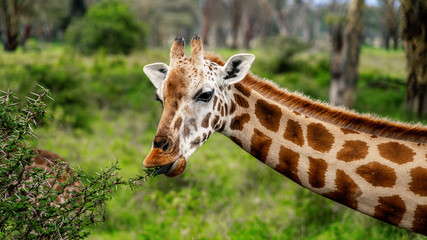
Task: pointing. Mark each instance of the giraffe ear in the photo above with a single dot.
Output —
(236, 68)
(156, 72)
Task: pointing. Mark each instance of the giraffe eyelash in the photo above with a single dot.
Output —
(205, 96)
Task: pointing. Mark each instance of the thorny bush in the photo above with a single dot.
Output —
(29, 206)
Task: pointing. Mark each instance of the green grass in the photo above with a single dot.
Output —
(224, 193)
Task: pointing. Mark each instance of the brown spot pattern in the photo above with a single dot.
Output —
(396, 152)
(232, 107)
(418, 184)
(317, 172)
(241, 101)
(177, 124)
(193, 123)
(214, 102)
(205, 121)
(347, 190)
(238, 121)
(337, 116)
(390, 209)
(319, 138)
(348, 131)
(214, 121)
(243, 89)
(377, 174)
(260, 145)
(268, 114)
(293, 132)
(186, 131)
(222, 127)
(195, 142)
(288, 164)
(236, 140)
(419, 224)
(353, 150)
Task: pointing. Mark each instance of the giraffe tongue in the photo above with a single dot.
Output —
(163, 169)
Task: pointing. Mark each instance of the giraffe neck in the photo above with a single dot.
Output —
(381, 177)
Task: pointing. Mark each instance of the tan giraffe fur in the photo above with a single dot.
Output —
(372, 165)
(46, 160)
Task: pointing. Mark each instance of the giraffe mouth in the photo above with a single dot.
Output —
(172, 169)
(163, 169)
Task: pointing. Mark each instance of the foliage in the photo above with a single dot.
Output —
(29, 206)
(64, 77)
(283, 59)
(76, 84)
(224, 192)
(108, 25)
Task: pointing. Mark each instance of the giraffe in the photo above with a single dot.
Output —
(46, 160)
(372, 165)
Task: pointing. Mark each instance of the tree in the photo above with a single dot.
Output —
(345, 56)
(211, 12)
(12, 11)
(168, 19)
(53, 202)
(390, 16)
(414, 35)
(77, 9)
(109, 25)
(236, 20)
(277, 9)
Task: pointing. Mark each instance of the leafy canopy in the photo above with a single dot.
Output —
(108, 25)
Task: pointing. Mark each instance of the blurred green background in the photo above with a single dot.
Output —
(104, 110)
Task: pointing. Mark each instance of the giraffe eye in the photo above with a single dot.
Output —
(205, 96)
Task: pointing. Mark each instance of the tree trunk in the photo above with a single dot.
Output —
(278, 15)
(27, 33)
(345, 57)
(395, 41)
(386, 40)
(236, 20)
(10, 12)
(207, 20)
(220, 36)
(249, 29)
(414, 35)
(390, 15)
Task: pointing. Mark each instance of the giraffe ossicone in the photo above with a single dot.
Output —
(190, 87)
(375, 166)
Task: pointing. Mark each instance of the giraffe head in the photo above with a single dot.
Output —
(194, 95)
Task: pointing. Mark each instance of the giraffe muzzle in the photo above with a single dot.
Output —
(170, 165)
(173, 169)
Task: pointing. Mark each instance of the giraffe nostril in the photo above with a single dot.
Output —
(162, 143)
(166, 146)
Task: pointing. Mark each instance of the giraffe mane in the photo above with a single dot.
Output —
(339, 116)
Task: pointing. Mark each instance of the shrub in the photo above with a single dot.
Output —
(108, 25)
(69, 85)
(29, 206)
(289, 47)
